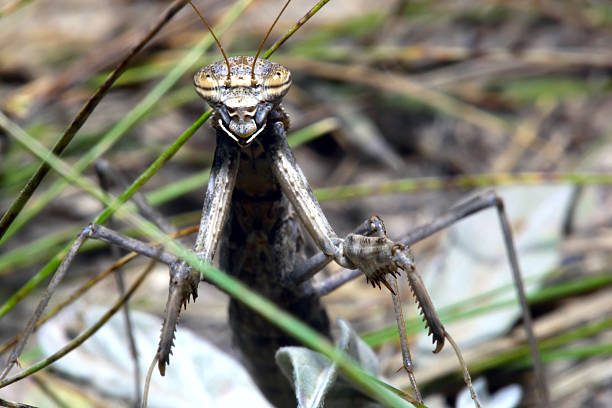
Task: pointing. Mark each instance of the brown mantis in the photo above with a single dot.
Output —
(254, 178)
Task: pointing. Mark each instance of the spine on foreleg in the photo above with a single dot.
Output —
(261, 246)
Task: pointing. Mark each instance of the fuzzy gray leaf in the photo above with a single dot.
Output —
(315, 377)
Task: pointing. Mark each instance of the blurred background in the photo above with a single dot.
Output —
(419, 103)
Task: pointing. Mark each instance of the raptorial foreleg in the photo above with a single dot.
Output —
(183, 279)
(473, 205)
(92, 231)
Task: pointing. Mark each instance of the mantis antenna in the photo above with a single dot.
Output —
(264, 41)
(227, 80)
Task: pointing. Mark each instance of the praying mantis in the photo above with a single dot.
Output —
(256, 193)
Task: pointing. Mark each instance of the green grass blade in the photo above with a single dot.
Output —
(461, 181)
(465, 309)
(235, 288)
(105, 215)
(45, 247)
(133, 117)
(82, 116)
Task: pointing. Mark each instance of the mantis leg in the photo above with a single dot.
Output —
(91, 231)
(183, 279)
(368, 249)
(378, 256)
(473, 205)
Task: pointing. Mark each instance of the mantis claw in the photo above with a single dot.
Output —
(183, 285)
(430, 317)
(377, 256)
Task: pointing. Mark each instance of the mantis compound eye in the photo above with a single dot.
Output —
(276, 84)
(207, 85)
